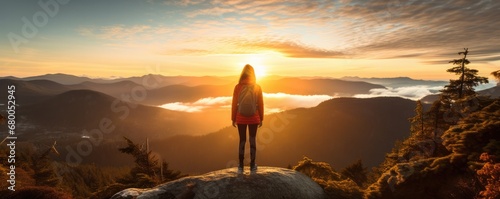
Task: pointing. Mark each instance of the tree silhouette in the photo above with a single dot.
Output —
(44, 174)
(331, 181)
(356, 172)
(417, 122)
(496, 74)
(464, 86)
(435, 118)
(147, 171)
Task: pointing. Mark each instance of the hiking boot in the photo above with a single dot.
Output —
(253, 168)
(240, 169)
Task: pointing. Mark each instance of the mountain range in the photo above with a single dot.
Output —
(338, 131)
(492, 92)
(162, 89)
(397, 81)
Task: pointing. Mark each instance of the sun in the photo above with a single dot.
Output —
(260, 71)
(258, 63)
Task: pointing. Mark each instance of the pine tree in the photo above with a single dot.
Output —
(417, 124)
(169, 174)
(356, 172)
(44, 174)
(464, 86)
(147, 171)
(435, 121)
(496, 74)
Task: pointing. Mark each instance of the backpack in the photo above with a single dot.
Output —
(247, 101)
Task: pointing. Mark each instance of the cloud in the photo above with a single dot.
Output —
(277, 102)
(287, 48)
(179, 106)
(274, 102)
(427, 30)
(116, 32)
(213, 101)
(199, 105)
(409, 92)
(432, 27)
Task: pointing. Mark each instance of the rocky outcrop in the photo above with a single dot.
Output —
(267, 182)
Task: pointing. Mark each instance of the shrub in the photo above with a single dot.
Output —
(331, 181)
(489, 176)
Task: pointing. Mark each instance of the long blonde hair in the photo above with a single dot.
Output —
(248, 73)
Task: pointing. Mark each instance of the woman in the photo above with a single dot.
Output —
(247, 110)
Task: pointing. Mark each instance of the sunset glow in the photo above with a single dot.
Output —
(203, 37)
(259, 63)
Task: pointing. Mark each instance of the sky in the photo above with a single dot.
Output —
(328, 38)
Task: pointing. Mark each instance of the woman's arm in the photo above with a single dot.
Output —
(234, 104)
(261, 104)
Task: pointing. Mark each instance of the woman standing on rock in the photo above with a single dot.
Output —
(247, 110)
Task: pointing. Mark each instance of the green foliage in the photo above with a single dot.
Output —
(331, 181)
(356, 172)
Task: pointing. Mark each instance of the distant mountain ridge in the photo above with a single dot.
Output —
(163, 89)
(397, 81)
(31, 91)
(161, 80)
(338, 131)
(57, 77)
(318, 86)
(76, 110)
(492, 92)
(67, 79)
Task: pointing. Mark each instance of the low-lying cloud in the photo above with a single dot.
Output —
(409, 92)
(277, 102)
(274, 102)
(199, 105)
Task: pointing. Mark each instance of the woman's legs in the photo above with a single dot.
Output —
(252, 128)
(242, 130)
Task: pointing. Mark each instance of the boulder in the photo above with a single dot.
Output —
(267, 182)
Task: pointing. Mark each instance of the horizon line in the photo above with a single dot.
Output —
(219, 76)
